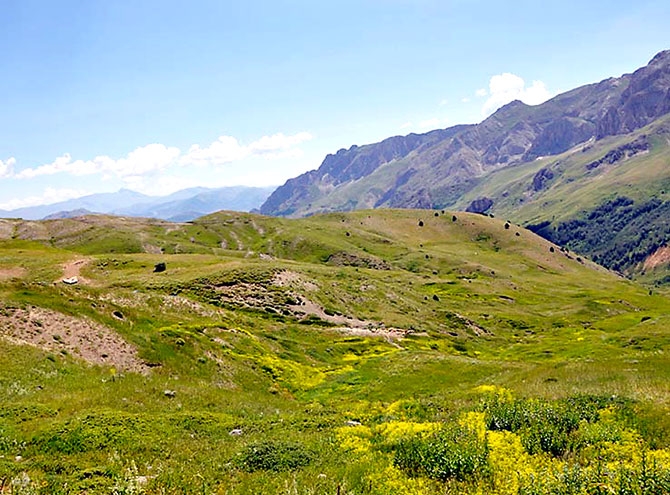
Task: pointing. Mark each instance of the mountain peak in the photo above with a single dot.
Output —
(662, 57)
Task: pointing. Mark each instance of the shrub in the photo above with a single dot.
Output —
(273, 456)
(451, 453)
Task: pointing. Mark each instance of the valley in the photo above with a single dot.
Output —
(332, 354)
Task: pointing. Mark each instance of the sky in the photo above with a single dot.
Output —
(161, 95)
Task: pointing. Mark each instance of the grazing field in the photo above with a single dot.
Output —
(385, 352)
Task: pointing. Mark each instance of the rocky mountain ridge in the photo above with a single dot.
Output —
(436, 169)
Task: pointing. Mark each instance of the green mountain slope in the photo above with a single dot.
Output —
(568, 198)
(555, 162)
(281, 356)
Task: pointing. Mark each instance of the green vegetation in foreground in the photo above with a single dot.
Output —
(521, 369)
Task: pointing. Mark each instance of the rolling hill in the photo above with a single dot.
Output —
(335, 353)
(555, 162)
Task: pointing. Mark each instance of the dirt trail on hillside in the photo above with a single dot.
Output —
(60, 333)
(73, 269)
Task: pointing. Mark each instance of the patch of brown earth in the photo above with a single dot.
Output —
(73, 268)
(287, 278)
(349, 259)
(660, 257)
(10, 273)
(347, 324)
(6, 229)
(79, 337)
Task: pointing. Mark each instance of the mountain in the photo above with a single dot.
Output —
(69, 214)
(98, 203)
(193, 203)
(183, 205)
(529, 163)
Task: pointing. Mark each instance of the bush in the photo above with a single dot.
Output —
(451, 453)
(273, 456)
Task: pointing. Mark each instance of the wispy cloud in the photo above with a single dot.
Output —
(50, 195)
(7, 167)
(507, 87)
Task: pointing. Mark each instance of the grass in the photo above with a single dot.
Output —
(478, 305)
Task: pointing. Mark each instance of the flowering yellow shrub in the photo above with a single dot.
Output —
(501, 392)
(355, 439)
(392, 481)
(474, 421)
(510, 462)
(394, 431)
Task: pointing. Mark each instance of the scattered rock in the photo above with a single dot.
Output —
(343, 258)
(352, 422)
(160, 267)
(169, 393)
(236, 432)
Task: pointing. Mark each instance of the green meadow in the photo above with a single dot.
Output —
(373, 352)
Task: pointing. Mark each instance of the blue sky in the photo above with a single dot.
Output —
(161, 95)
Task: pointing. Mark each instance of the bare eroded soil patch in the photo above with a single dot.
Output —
(13, 272)
(659, 257)
(79, 337)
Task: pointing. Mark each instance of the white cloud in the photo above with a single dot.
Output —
(7, 167)
(406, 125)
(481, 93)
(226, 149)
(142, 160)
(465, 100)
(444, 102)
(158, 157)
(50, 195)
(506, 87)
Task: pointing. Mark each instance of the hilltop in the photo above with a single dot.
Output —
(272, 353)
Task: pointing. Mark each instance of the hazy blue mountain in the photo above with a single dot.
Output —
(182, 205)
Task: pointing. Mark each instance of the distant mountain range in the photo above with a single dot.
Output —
(544, 166)
(183, 205)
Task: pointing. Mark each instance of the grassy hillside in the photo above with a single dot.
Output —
(371, 352)
(569, 198)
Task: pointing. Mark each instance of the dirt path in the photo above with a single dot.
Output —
(73, 269)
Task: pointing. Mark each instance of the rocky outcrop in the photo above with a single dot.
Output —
(541, 178)
(628, 150)
(480, 205)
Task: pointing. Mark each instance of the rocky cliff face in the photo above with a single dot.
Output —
(434, 170)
